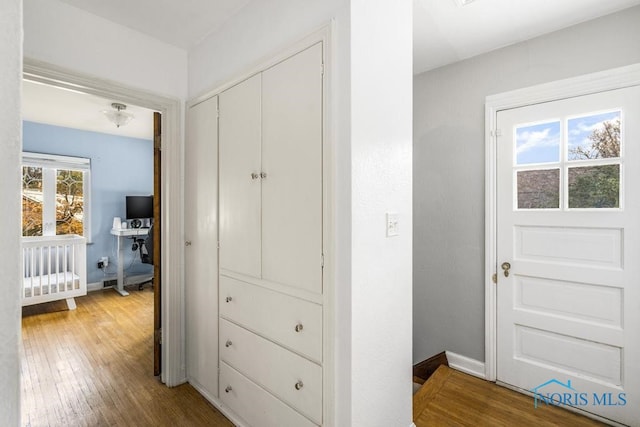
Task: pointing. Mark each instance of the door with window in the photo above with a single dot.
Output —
(568, 252)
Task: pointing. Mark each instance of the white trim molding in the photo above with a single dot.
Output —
(466, 364)
(602, 81)
(172, 350)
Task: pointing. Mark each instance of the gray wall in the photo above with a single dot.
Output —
(448, 164)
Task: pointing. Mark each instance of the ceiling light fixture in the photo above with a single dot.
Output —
(118, 116)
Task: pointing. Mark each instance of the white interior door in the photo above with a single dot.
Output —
(568, 252)
(240, 167)
(201, 245)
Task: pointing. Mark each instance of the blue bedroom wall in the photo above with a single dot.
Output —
(120, 166)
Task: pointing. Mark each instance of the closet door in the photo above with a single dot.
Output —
(292, 162)
(240, 178)
(201, 241)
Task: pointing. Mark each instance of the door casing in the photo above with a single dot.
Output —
(173, 364)
(616, 78)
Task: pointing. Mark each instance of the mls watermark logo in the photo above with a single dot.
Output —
(557, 393)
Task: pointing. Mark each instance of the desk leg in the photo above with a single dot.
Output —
(120, 286)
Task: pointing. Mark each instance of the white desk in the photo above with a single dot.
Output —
(123, 234)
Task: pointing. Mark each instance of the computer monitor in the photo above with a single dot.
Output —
(139, 207)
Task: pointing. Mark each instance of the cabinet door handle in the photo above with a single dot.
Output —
(263, 175)
(187, 243)
(254, 176)
(228, 389)
(299, 385)
(228, 343)
(229, 299)
(299, 327)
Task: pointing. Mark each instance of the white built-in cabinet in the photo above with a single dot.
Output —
(271, 244)
(271, 174)
(255, 325)
(201, 245)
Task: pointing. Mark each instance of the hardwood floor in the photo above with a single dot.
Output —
(94, 367)
(452, 398)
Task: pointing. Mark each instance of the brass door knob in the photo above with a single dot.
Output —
(505, 268)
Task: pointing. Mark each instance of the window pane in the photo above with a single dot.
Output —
(32, 201)
(69, 202)
(594, 137)
(594, 187)
(539, 189)
(538, 143)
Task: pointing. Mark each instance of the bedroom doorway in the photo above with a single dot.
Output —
(168, 361)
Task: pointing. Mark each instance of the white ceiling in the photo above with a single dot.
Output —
(444, 32)
(47, 104)
(181, 23)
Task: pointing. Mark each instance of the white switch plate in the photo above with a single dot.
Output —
(392, 224)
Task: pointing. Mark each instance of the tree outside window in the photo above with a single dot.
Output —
(54, 195)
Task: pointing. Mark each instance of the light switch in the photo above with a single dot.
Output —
(392, 224)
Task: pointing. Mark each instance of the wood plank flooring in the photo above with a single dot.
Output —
(452, 398)
(94, 367)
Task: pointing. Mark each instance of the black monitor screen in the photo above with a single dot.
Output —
(139, 207)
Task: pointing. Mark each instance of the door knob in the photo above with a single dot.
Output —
(506, 267)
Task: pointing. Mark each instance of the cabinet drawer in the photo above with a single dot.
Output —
(289, 321)
(292, 378)
(254, 404)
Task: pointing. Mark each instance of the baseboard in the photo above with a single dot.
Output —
(466, 364)
(226, 411)
(95, 286)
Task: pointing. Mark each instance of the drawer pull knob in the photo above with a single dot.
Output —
(299, 385)
(299, 327)
(228, 389)
(228, 343)
(229, 299)
(255, 176)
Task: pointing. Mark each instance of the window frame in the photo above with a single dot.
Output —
(50, 163)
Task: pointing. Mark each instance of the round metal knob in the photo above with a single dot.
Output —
(255, 175)
(228, 389)
(228, 343)
(229, 299)
(263, 175)
(299, 327)
(299, 385)
(187, 243)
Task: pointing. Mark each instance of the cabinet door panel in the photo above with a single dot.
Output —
(201, 229)
(239, 192)
(292, 160)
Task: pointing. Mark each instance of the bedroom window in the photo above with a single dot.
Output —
(55, 195)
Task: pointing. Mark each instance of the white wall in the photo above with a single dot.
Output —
(372, 274)
(69, 37)
(381, 156)
(449, 168)
(10, 149)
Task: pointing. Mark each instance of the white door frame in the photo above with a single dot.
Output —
(616, 78)
(172, 354)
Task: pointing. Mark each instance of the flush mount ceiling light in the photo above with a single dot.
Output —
(118, 116)
(461, 3)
